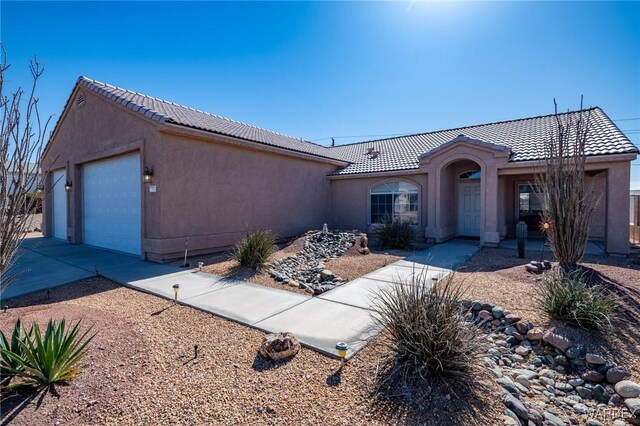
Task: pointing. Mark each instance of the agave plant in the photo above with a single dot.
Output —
(9, 365)
(49, 359)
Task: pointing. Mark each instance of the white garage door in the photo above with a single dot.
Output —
(59, 210)
(111, 204)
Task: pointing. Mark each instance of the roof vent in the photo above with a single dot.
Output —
(80, 100)
(369, 151)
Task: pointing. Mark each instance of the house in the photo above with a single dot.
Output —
(144, 176)
(30, 175)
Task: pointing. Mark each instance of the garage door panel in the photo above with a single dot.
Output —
(112, 204)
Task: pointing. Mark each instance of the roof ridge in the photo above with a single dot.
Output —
(94, 85)
(467, 127)
(84, 78)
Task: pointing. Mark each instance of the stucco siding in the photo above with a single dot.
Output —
(95, 130)
(351, 204)
(213, 193)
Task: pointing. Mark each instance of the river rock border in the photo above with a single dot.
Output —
(306, 269)
(549, 380)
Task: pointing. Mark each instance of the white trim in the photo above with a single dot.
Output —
(417, 192)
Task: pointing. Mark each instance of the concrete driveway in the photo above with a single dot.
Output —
(46, 263)
(343, 314)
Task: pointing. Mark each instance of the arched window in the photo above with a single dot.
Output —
(472, 174)
(395, 200)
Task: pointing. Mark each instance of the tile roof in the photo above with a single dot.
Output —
(169, 112)
(524, 137)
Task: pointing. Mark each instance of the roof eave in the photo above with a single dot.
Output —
(193, 132)
(465, 139)
(399, 172)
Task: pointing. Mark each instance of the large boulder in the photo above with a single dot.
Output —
(633, 404)
(557, 341)
(363, 242)
(616, 374)
(535, 333)
(279, 345)
(628, 389)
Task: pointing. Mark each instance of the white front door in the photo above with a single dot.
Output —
(111, 196)
(59, 210)
(469, 209)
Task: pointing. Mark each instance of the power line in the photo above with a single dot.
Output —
(627, 119)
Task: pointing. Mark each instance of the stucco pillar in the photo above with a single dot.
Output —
(47, 205)
(432, 205)
(502, 215)
(75, 206)
(491, 191)
(618, 183)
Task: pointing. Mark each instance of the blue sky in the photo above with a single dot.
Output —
(317, 70)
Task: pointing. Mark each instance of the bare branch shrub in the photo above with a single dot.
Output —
(22, 135)
(568, 203)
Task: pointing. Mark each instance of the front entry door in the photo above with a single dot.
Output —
(469, 209)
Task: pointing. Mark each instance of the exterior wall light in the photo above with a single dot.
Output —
(68, 185)
(434, 281)
(147, 177)
(40, 190)
(176, 287)
(342, 348)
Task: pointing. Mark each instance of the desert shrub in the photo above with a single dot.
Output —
(567, 297)
(43, 361)
(425, 327)
(9, 365)
(255, 248)
(395, 234)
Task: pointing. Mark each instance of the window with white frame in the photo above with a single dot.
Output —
(395, 200)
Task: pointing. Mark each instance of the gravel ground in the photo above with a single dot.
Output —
(350, 265)
(498, 276)
(140, 371)
(140, 367)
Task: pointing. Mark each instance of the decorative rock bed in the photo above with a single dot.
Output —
(306, 269)
(547, 380)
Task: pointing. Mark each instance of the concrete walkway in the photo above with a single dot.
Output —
(594, 248)
(343, 314)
